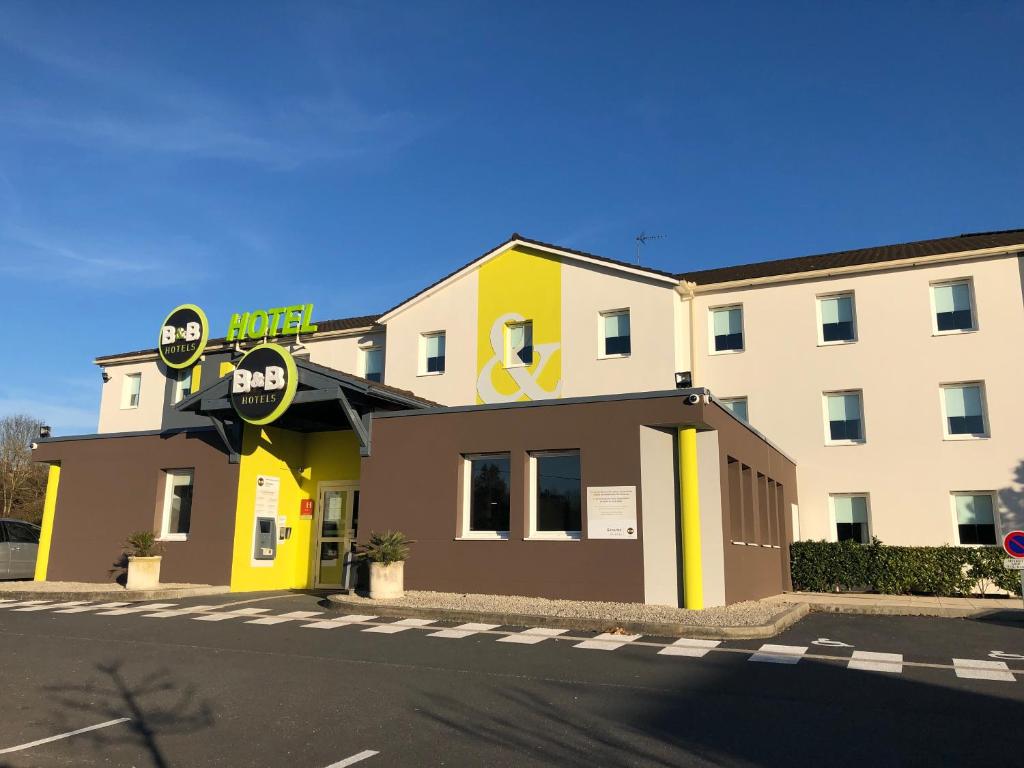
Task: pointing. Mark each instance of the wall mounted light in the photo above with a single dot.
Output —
(44, 431)
(684, 379)
(105, 375)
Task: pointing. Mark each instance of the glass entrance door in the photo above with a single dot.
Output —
(336, 519)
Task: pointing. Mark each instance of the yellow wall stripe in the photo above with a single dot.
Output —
(49, 511)
(689, 495)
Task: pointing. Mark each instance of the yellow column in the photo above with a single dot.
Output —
(49, 510)
(689, 496)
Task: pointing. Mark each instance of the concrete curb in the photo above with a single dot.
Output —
(787, 617)
(904, 610)
(133, 596)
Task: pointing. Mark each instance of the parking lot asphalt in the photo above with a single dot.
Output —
(265, 687)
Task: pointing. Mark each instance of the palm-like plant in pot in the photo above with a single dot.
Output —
(387, 553)
(144, 557)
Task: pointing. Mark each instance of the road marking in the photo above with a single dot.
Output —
(831, 643)
(84, 608)
(8, 600)
(1005, 655)
(607, 641)
(225, 615)
(400, 626)
(28, 602)
(871, 661)
(779, 654)
(136, 609)
(358, 758)
(179, 611)
(532, 636)
(53, 605)
(293, 616)
(60, 736)
(685, 646)
(463, 630)
(976, 669)
(341, 621)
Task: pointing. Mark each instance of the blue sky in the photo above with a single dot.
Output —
(347, 154)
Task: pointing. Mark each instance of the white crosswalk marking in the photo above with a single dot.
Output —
(84, 608)
(533, 635)
(225, 615)
(976, 669)
(27, 602)
(179, 611)
(52, 605)
(341, 621)
(870, 661)
(8, 600)
(293, 616)
(686, 646)
(136, 609)
(607, 641)
(399, 626)
(779, 654)
(463, 630)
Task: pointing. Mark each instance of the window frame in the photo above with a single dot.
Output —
(853, 312)
(126, 398)
(711, 329)
(532, 534)
(833, 522)
(746, 401)
(511, 359)
(986, 432)
(827, 422)
(364, 354)
(165, 507)
(422, 368)
(465, 533)
(974, 306)
(996, 531)
(178, 392)
(602, 338)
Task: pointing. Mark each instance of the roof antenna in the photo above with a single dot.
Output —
(642, 239)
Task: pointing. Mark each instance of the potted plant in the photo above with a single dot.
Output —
(387, 553)
(143, 560)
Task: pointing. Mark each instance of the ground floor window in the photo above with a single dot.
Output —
(177, 509)
(851, 514)
(975, 518)
(486, 496)
(556, 506)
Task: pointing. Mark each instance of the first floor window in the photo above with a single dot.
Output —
(845, 422)
(182, 385)
(975, 518)
(433, 352)
(556, 491)
(373, 363)
(737, 406)
(488, 479)
(177, 514)
(851, 513)
(953, 311)
(836, 318)
(131, 387)
(615, 333)
(727, 328)
(965, 410)
(519, 344)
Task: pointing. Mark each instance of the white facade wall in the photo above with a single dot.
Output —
(345, 353)
(148, 414)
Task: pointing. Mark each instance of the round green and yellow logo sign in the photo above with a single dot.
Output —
(263, 384)
(183, 336)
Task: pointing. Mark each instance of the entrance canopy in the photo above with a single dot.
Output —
(326, 400)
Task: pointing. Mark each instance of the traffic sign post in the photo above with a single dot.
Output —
(1013, 543)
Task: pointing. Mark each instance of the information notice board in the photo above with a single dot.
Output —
(611, 512)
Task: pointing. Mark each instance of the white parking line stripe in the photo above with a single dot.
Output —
(179, 611)
(870, 661)
(779, 654)
(8, 600)
(293, 616)
(225, 615)
(463, 630)
(60, 736)
(976, 669)
(84, 608)
(399, 626)
(341, 621)
(27, 602)
(686, 646)
(357, 758)
(533, 635)
(136, 609)
(53, 605)
(607, 641)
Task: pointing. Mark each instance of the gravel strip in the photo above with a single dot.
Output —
(62, 587)
(745, 614)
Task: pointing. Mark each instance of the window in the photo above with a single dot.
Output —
(963, 408)
(851, 518)
(519, 344)
(22, 533)
(555, 495)
(615, 339)
(177, 513)
(373, 363)
(433, 353)
(737, 406)
(843, 414)
(975, 518)
(953, 307)
(130, 388)
(727, 329)
(182, 385)
(837, 319)
(486, 492)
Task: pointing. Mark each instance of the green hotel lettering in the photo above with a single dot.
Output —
(280, 321)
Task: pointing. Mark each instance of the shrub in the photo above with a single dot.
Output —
(389, 547)
(142, 544)
(828, 566)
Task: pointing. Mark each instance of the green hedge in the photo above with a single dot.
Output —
(825, 566)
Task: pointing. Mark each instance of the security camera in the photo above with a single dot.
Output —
(33, 446)
(693, 399)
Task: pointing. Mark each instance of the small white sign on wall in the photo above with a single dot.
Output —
(611, 512)
(268, 491)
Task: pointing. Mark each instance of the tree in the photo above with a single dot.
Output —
(22, 483)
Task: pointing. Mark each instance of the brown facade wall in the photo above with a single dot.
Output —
(112, 487)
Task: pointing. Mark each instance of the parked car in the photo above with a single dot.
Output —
(19, 545)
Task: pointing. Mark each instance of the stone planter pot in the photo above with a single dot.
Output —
(387, 582)
(143, 572)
